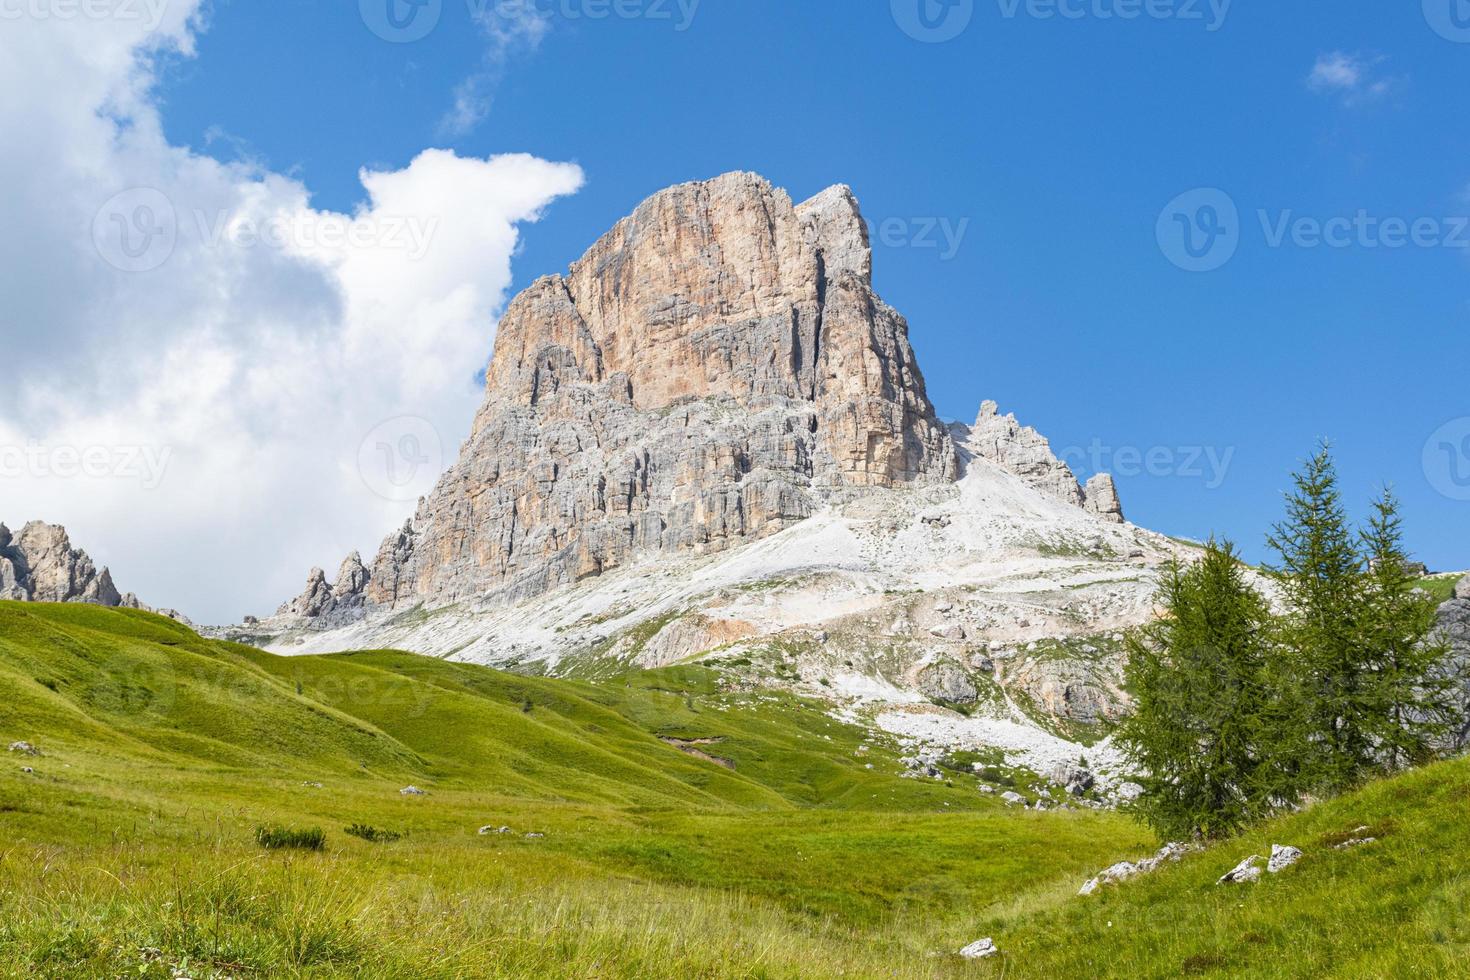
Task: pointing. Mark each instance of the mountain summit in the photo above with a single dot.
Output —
(713, 370)
(710, 439)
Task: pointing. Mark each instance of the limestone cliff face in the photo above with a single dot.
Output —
(1020, 449)
(710, 369)
(39, 564)
(716, 368)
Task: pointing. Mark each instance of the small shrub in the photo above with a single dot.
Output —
(278, 838)
(372, 834)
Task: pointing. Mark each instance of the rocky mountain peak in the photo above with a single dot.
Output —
(1021, 450)
(714, 369)
(40, 565)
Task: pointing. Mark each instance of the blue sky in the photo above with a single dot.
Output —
(1044, 148)
(1023, 178)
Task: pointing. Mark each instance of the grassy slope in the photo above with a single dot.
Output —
(1395, 908)
(1441, 587)
(165, 751)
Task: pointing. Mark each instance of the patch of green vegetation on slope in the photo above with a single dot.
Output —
(1441, 587)
(1392, 908)
(131, 846)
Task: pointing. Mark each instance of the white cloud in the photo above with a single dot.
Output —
(1354, 79)
(472, 102)
(221, 396)
(508, 26)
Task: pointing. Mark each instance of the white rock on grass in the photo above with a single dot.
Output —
(1244, 873)
(1124, 870)
(1012, 798)
(1282, 857)
(980, 949)
(24, 748)
(1121, 871)
(1355, 842)
(412, 791)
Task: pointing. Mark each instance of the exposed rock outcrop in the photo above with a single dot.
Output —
(40, 565)
(1100, 496)
(1453, 630)
(1020, 449)
(709, 372)
(331, 603)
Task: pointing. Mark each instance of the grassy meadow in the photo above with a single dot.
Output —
(660, 825)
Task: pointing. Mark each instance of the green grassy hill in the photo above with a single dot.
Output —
(685, 830)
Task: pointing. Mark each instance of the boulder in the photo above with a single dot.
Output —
(980, 950)
(1121, 871)
(24, 748)
(1246, 872)
(412, 791)
(1100, 497)
(1462, 589)
(1012, 798)
(1083, 691)
(948, 682)
(1129, 792)
(1077, 780)
(1173, 851)
(1282, 857)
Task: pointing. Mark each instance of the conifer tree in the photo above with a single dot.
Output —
(1197, 678)
(1325, 664)
(1413, 691)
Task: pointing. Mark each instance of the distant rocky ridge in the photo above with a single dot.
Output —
(1025, 452)
(40, 565)
(1453, 630)
(715, 369)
